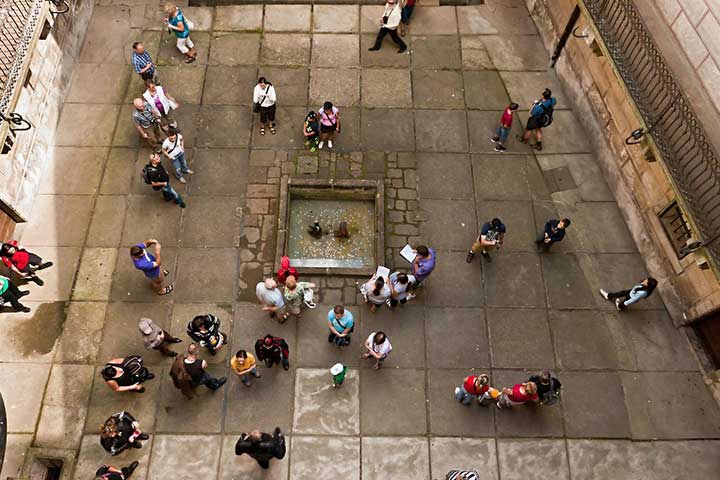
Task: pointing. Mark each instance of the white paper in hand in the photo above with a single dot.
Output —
(408, 253)
(382, 272)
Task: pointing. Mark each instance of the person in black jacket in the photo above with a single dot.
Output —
(154, 174)
(263, 447)
(123, 374)
(106, 472)
(548, 387)
(554, 231)
(121, 431)
(205, 330)
(273, 350)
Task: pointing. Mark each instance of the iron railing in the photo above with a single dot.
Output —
(18, 24)
(689, 157)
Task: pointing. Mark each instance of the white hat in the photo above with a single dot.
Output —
(336, 369)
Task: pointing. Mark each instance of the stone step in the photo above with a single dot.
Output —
(429, 3)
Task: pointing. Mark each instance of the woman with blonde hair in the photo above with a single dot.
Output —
(518, 395)
(180, 26)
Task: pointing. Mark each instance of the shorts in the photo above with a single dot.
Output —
(185, 44)
(267, 113)
(33, 262)
(295, 310)
(327, 128)
(533, 123)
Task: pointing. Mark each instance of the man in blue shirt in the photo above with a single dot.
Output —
(142, 63)
(180, 26)
(341, 324)
(492, 236)
(554, 232)
(150, 265)
(541, 115)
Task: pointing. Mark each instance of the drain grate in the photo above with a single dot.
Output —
(559, 179)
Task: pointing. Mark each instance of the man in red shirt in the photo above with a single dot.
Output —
(22, 262)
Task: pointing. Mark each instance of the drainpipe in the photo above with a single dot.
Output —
(3, 431)
(569, 30)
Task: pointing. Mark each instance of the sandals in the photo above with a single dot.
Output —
(166, 290)
(262, 130)
(272, 130)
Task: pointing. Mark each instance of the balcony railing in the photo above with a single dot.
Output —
(18, 23)
(687, 154)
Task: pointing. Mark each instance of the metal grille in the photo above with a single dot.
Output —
(18, 21)
(688, 155)
(676, 228)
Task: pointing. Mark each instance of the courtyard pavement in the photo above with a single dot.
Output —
(633, 406)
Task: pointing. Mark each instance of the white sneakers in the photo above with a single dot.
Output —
(329, 143)
(320, 145)
(604, 294)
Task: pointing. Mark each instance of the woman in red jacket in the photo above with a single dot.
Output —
(517, 395)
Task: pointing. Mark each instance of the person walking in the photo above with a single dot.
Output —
(163, 104)
(196, 369)
(554, 231)
(272, 350)
(151, 265)
(407, 10)
(155, 175)
(264, 103)
(205, 331)
(120, 432)
(376, 291)
(311, 131)
(503, 130)
(341, 324)
(294, 294)
(9, 293)
(244, 366)
(23, 262)
(156, 338)
(402, 285)
(519, 394)
(272, 299)
(147, 123)
(389, 23)
(475, 387)
(625, 298)
(422, 266)
(106, 472)
(262, 447)
(143, 64)
(378, 347)
(329, 124)
(126, 374)
(548, 387)
(541, 116)
(492, 236)
(180, 26)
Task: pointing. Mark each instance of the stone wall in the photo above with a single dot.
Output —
(51, 64)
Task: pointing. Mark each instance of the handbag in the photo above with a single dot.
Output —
(308, 298)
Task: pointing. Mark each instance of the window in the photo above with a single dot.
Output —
(676, 228)
(8, 144)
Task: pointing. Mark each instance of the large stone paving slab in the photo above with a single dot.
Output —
(375, 92)
(45, 229)
(339, 86)
(92, 455)
(518, 219)
(450, 417)
(509, 348)
(22, 401)
(513, 279)
(321, 409)
(291, 84)
(483, 126)
(441, 89)
(443, 216)
(223, 126)
(212, 222)
(387, 56)
(238, 17)
(107, 221)
(192, 274)
(335, 50)
(485, 90)
(287, 18)
(516, 52)
(497, 19)
(288, 135)
(184, 84)
(234, 48)
(87, 164)
(387, 130)
(397, 458)
(565, 281)
(444, 281)
(233, 467)
(441, 131)
(325, 457)
(58, 279)
(170, 55)
(400, 395)
(15, 451)
(151, 217)
(336, 18)
(456, 338)
(586, 174)
(313, 348)
(202, 414)
(285, 49)
(607, 418)
(82, 332)
(404, 327)
(548, 456)
(435, 52)
(229, 85)
(229, 180)
(434, 21)
(188, 456)
(501, 178)
(474, 53)
(583, 340)
(464, 454)
(442, 175)
(526, 87)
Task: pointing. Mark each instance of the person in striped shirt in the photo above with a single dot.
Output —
(462, 475)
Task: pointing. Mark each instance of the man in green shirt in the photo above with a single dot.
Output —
(10, 293)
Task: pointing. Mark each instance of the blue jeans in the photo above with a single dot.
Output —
(170, 194)
(464, 396)
(502, 133)
(245, 377)
(180, 164)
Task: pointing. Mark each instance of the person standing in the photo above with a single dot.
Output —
(541, 116)
(294, 295)
(155, 175)
(163, 104)
(264, 103)
(262, 447)
(205, 330)
(24, 263)
(272, 350)
(341, 324)
(519, 394)
(423, 265)
(548, 387)
(311, 131)
(407, 9)
(155, 338)
(474, 387)
(244, 366)
(625, 298)
(376, 291)
(126, 374)
(151, 264)
(147, 122)
(174, 148)
(272, 299)
(492, 236)
(401, 284)
(338, 372)
(378, 347)
(10, 293)
(554, 231)
(180, 26)
(196, 369)
(389, 23)
(106, 472)
(120, 432)
(143, 64)
(503, 130)
(329, 124)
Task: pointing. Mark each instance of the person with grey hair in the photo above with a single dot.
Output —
(156, 338)
(272, 299)
(146, 120)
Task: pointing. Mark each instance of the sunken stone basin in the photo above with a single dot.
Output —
(330, 202)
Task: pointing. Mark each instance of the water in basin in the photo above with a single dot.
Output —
(357, 251)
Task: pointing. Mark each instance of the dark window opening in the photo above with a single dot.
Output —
(46, 468)
(8, 144)
(676, 228)
(45, 30)
(708, 331)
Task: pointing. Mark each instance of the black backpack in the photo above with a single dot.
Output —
(546, 118)
(144, 175)
(151, 173)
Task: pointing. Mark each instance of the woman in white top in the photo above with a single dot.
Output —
(402, 285)
(389, 24)
(377, 291)
(163, 103)
(378, 347)
(264, 103)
